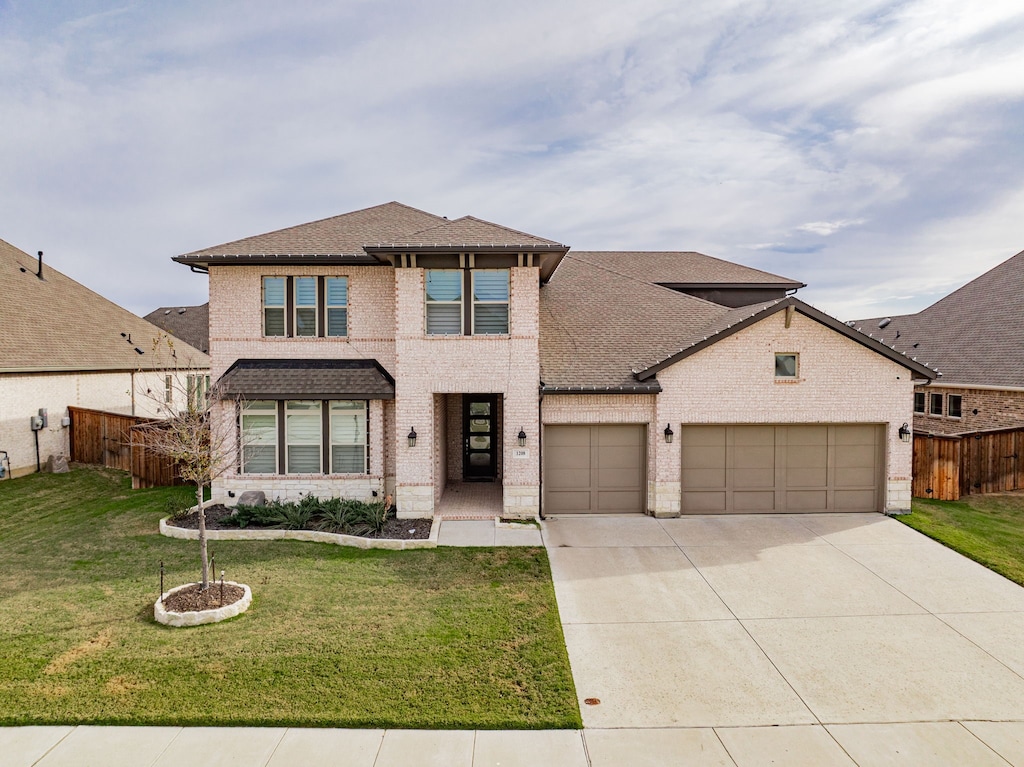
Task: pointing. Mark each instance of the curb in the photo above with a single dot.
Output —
(314, 536)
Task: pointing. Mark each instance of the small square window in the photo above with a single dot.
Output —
(954, 406)
(935, 404)
(786, 365)
(919, 402)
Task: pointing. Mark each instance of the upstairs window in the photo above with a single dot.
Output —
(485, 310)
(444, 302)
(954, 406)
(259, 437)
(273, 306)
(337, 306)
(935, 404)
(305, 306)
(919, 402)
(490, 301)
(302, 425)
(786, 365)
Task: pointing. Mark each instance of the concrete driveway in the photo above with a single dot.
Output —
(817, 639)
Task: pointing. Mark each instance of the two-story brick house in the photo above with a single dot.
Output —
(392, 351)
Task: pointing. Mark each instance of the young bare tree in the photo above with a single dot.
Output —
(187, 432)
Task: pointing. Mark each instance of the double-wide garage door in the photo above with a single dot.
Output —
(595, 468)
(776, 468)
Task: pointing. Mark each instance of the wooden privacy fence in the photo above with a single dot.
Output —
(949, 467)
(113, 440)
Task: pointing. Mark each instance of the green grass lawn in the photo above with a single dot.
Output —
(987, 528)
(336, 637)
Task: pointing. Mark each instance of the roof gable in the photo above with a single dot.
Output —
(745, 316)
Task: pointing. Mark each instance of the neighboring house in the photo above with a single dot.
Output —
(974, 337)
(63, 345)
(189, 323)
(389, 350)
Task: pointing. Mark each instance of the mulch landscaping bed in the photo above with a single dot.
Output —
(193, 598)
(400, 529)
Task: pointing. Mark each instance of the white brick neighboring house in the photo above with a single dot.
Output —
(63, 345)
(607, 382)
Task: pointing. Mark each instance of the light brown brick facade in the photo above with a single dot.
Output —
(730, 382)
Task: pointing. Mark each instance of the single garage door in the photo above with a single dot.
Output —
(782, 468)
(598, 469)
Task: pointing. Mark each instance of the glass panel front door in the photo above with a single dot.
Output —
(480, 436)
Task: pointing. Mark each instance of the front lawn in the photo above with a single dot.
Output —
(336, 637)
(987, 528)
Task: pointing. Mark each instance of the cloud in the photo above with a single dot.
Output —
(839, 138)
(826, 228)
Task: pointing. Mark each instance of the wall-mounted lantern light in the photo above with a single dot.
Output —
(412, 437)
(905, 432)
(668, 433)
(522, 438)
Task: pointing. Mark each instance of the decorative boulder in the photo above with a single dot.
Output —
(253, 498)
(57, 464)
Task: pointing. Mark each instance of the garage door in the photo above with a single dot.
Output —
(598, 469)
(776, 468)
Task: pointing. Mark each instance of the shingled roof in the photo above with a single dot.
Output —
(338, 236)
(189, 323)
(974, 336)
(605, 330)
(469, 231)
(307, 379)
(683, 268)
(597, 326)
(56, 324)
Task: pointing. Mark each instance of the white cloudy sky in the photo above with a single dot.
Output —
(871, 149)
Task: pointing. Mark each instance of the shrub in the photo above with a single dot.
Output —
(336, 515)
(180, 505)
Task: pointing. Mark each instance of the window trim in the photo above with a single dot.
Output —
(325, 293)
(924, 402)
(796, 366)
(315, 306)
(959, 406)
(934, 397)
(461, 303)
(265, 307)
(507, 303)
(276, 432)
(365, 444)
(289, 443)
(282, 445)
(467, 303)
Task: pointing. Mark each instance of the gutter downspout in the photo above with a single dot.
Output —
(540, 454)
(132, 374)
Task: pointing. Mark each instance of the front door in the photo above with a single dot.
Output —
(480, 436)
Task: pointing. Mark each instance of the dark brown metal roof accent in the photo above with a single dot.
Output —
(749, 315)
(650, 386)
(307, 379)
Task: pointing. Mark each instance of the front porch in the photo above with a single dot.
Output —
(470, 500)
